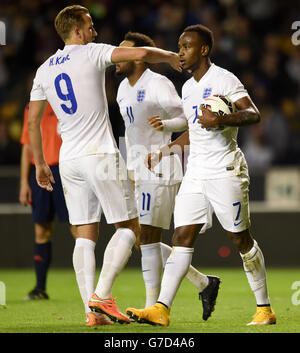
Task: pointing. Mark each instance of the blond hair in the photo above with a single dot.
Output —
(68, 18)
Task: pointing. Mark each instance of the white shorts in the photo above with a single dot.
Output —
(228, 198)
(156, 203)
(97, 183)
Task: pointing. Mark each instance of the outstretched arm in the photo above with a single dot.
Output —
(146, 54)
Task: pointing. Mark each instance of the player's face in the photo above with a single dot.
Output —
(125, 68)
(88, 33)
(190, 45)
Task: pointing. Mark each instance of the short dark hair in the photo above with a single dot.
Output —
(139, 39)
(204, 33)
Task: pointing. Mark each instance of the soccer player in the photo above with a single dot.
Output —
(141, 95)
(93, 174)
(216, 178)
(45, 205)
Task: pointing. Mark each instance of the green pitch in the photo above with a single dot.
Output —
(64, 312)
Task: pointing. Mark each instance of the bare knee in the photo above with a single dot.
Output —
(43, 232)
(73, 230)
(150, 234)
(243, 241)
(185, 235)
(132, 224)
(87, 231)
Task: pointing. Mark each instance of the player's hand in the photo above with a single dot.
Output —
(156, 122)
(44, 177)
(208, 119)
(174, 61)
(25, 195)
(152, 159)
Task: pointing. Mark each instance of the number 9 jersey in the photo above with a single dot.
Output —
(73, 82)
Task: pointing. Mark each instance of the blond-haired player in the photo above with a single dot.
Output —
(73, 81)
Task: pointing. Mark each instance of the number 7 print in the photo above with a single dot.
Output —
(195, 107)
(239, 205)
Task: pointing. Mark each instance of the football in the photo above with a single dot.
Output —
(219, 105)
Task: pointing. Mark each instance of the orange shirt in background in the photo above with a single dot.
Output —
(51, 138)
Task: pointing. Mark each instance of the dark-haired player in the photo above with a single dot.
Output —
(216, 178)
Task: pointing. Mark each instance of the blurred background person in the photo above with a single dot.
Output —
(45, 205)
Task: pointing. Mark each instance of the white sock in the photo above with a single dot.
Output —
(84, 266)
(116, 255)
(152, 268)
(176, 268)
(254, 266)
(198, 279)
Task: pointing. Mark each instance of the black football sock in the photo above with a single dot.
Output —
(42, 260)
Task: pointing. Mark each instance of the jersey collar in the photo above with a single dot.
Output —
(207, 73)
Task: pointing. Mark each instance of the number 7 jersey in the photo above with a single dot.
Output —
(73, 82)
(213, 154)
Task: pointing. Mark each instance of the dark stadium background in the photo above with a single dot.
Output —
(253, 39)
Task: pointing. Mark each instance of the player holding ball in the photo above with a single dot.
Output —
(216, 179)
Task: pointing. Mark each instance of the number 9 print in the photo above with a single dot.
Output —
(69, 96)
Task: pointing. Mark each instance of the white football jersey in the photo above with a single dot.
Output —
(153, 94)
(73, 82)
(213, 153)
